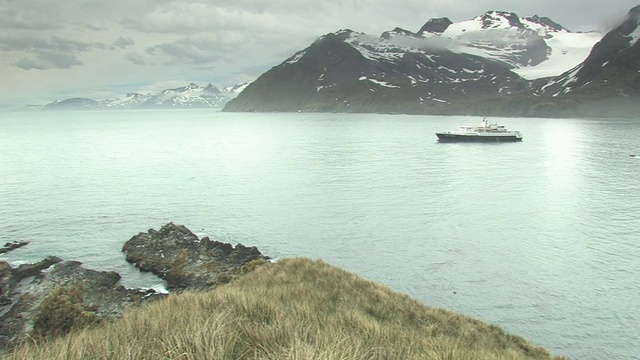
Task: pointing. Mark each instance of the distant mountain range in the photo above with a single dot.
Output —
(190, 96)
(494, 64)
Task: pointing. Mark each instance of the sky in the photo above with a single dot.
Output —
(52, 50)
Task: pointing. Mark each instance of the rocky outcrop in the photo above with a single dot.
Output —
(495, 18)
(12, 246)
(178, 256)
(53, 297)
(546, 22)
(436, 26)
(97, 295)
(10, 278)
(398, 32)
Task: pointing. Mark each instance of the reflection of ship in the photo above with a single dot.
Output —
(485, 132)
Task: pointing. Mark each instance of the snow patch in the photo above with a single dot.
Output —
(320, 87)
(469, 71)
(295, 58)
(383, 83)
(635, 35)
(567, 51)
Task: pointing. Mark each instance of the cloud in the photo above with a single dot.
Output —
(93, 27)
(199, 17)
(123, 42)
(48, 53)
(53, 43)
(175, 18)
(432, 43)
(135, 59)
(48, 60)
(46, 14)
(27, 19)
(186, 51)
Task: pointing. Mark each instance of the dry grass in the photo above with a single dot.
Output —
(293, 309)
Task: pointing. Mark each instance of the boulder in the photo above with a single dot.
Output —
(30, 293)
(12, 246)
(178, 256)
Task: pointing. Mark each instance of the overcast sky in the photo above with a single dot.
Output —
(102, 49)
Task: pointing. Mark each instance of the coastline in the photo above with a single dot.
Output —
(333, 301)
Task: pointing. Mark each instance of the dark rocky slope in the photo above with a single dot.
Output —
(347, 72)
(416, 73)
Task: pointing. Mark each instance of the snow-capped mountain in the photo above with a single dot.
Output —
(535, 47)
(236, 89)
(495, 64)
(399, 71)
(437, 67)
(612, 68)
(190, 96)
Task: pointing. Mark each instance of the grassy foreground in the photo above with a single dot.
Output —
(292, 309)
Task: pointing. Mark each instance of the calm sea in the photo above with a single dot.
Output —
(540, 237)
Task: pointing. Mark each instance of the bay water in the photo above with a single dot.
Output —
(540, 237)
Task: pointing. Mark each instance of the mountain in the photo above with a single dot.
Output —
(612, 68)
(72, 104)
(534, 46)
(350, 71)
(442, 68)
(190, 96)
(605, 85)
(236, 89)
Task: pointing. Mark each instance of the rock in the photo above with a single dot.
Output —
(12, 246)
(26, 270)
(53, 297)
(97, 295)
(436, 26)
(178, 256)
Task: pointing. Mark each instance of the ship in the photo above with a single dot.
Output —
(486, 132)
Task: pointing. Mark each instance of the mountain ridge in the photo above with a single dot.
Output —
(494, 64)
(188, 96)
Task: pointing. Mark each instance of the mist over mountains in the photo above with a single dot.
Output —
(497, 63)
(186, 97)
